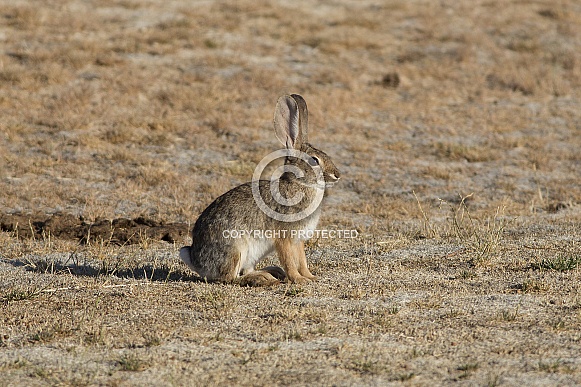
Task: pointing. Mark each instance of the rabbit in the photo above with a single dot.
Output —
(232, 260)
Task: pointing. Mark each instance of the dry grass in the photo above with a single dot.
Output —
(123, 108)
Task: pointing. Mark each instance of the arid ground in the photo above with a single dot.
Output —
(456, 126)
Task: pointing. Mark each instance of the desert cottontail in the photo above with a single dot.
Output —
(244, 225)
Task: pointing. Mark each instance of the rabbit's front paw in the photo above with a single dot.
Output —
(307, 274)
(299, 279)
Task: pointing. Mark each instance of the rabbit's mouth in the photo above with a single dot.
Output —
(330, 180)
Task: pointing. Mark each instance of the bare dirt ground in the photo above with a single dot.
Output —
(456, 126)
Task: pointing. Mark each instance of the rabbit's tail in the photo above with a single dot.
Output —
(186, 256)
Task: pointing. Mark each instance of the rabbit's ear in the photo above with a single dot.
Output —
(303, 117)
(286, 122)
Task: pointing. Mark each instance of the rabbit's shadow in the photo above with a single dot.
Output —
(139, 272)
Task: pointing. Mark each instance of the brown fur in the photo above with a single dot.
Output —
(302, 260)
(230, 268)
(257, 278)
(291, 254)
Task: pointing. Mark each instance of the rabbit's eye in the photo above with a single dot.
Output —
(314, 161)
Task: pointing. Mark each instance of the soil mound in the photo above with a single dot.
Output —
(118, 231)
